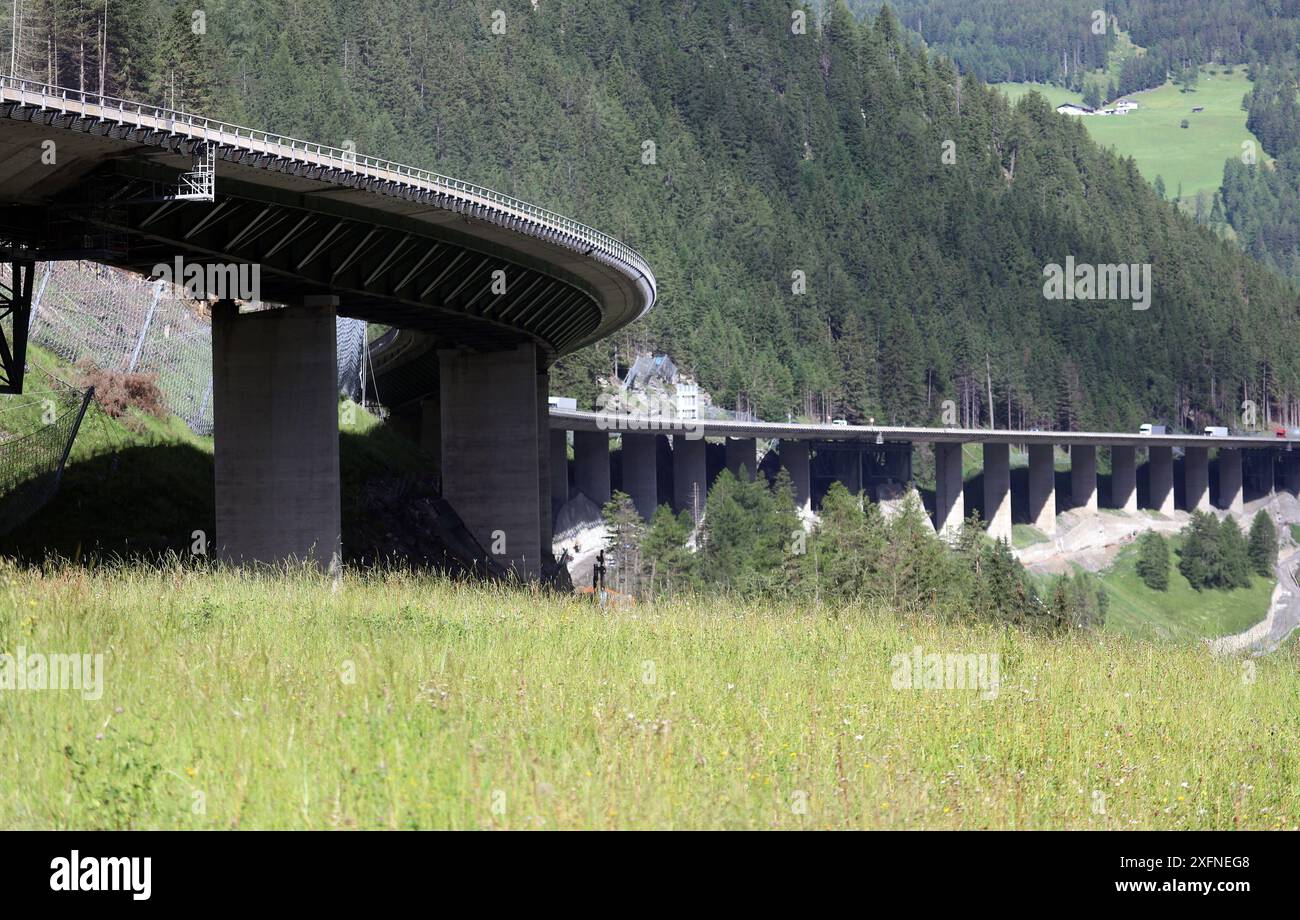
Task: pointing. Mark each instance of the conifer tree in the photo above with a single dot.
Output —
(1153, 561)
(1263, 544)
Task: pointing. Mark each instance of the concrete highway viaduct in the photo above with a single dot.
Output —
(859, 454)
(484, 293)
(488, 289)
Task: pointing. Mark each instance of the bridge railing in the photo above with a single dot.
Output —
(175, 121)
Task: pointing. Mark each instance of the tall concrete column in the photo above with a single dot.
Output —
(1123, 478)
(431, 428)
(276, 432)
(1083, 476)
(641, 472)
(1042, 487)
(495, 444)
(795, 458)
(690, 475)
(997, 490)
(591, 465)
(1291, 472)
(1196, 478)
(1230, 497)
(559, 466)
(542, 380)
(742, 452)
(949, 498)
(1160, 475)
(1267, 461)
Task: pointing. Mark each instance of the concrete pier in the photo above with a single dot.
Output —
(997, 490)
(1160, 471)
(1042, 487)
(1268, 472)
(1123, 478)
(641, 472)
(559, 469)
(1083, 476)
(795, 458)
(1196, 478)
(276, 433)
(690, 475)
(949, 498)
(1291, 472)
(742, 452)
(495, 452)
(591, 465)
(431, 429)
(1230, 494)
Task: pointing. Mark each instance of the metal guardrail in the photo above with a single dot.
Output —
(45, 95)
(617, 422)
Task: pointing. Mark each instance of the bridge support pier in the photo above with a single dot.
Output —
(690, 475)
(431, 428)
(742, 453)
(495, 452)
(1083, 476)
(276, 426)
(559, 466)
(1291, 472)
(1160, 471)
(1196, 478)
(1123, 477)
(1230, 495)
(1268, 471)
(641, 472)
(997, 490)
(949, 499)
(1042, 487)
(795, 458)
(591, 465)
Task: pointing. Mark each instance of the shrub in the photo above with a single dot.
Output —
(117, 392)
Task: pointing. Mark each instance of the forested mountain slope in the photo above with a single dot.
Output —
(1054, 41)
(734, 152)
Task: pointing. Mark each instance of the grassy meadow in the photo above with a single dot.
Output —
(275, 701)
(1190, 157)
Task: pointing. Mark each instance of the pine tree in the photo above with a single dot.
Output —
(1234, 556)
(1198, 557)
(625, 534)
(1153, 561)
(1263, 544)
(667, 560)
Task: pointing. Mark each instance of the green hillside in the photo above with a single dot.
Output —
(1191, 158)
(1180, 613)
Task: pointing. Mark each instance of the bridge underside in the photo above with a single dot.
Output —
(395, 272)
(487, 291)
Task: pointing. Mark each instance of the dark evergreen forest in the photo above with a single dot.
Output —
(735, 151)
(1053, 41)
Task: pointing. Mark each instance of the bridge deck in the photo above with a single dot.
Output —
(596, 421)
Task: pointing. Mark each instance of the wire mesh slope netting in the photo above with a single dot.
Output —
(124, 322)
(116, 321)
(36, 436)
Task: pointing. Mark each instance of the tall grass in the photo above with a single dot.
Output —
(266, 701)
